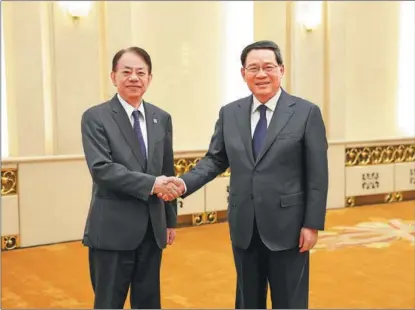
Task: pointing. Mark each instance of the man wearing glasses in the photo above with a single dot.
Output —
(128, 149)
(275, 145)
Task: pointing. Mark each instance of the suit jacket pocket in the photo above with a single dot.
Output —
(292, 200)
(236, 200)
(231, 200)
(285, 136)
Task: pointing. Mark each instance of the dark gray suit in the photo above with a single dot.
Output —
(126, 228)
(272, 198)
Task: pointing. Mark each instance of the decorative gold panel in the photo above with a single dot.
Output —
(394, 197)
(398, 196)
(389, 198)
(350, 202)
(378, 155)
(8, 181)
(376, 199)
(10, 242)
(211, 217)
(183, 165)
(198, 219)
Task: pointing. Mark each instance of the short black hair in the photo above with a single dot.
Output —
(260, 45)
(136, 50)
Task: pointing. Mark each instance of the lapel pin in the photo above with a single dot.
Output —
(154, 120)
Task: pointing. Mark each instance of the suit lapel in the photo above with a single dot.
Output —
(243, 119)
(126, 129)
(154, 132)
(282, 114)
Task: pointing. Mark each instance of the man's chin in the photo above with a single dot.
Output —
(264, 89)
(134, 92)
(134, 95)
(263, 92)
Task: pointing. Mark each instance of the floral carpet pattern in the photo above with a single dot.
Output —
(367, 234)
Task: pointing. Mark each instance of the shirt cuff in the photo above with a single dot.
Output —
(185, 187)
(152, 189)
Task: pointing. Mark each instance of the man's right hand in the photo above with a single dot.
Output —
(177, 186)
(165, 189)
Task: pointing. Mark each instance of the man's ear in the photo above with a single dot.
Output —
(243, 73)
(282, 70)
(112, 75)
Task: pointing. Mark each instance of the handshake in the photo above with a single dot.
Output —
(169, 188)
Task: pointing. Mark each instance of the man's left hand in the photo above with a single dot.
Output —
(308, 239)
(171, 235)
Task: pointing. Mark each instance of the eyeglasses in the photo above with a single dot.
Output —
(135, 74)
(266, 69)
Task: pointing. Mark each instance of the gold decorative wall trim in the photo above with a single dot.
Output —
(202, 218)
(198, 219)
(211, 217)
(184, 165)
(379, 199)
(8, 181)
(10, 242)
(350, 202)
(379, 155)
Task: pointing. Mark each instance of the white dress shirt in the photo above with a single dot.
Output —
(271, 105)
(129, 109)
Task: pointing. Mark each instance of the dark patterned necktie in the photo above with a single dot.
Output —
(139, 133)
(260, 131)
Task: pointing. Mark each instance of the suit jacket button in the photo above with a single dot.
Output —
(251, 197)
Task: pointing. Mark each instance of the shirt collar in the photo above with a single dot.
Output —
(270, 104)
(129, 108)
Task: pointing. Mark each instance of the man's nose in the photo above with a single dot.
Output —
(133, 77)
(261, 73)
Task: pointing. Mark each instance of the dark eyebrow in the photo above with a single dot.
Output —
(265, 64)
(130, 68)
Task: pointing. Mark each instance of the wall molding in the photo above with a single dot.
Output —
(202, 218)
(379, 155)
(393, 173)
(384, 198)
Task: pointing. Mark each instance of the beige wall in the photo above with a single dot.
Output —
(348, 65)
(371, 60)
(56, 69)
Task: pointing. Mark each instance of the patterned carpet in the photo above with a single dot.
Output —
(365, 259)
